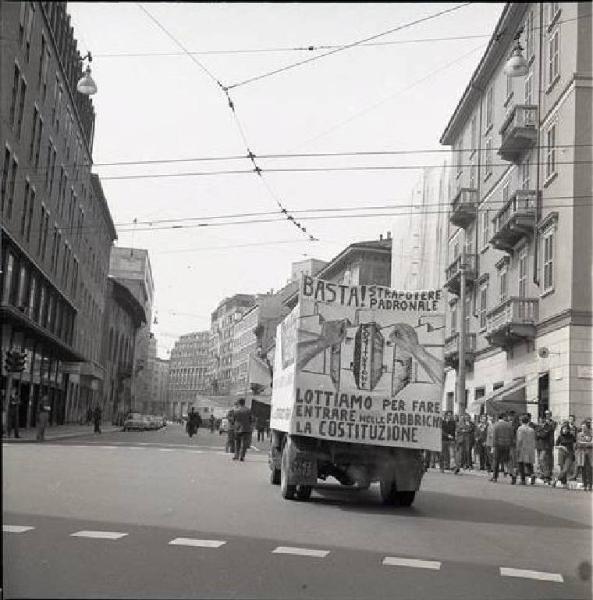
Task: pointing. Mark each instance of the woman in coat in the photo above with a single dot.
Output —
(565, 443)
(525, 450)
(584, 454)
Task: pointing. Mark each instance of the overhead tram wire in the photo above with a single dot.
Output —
(346, 47)
(231, 105)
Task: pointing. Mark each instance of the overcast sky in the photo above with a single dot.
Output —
(380, 97)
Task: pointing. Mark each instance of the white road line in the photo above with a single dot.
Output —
(103, 535)
(16, 528)
(166, 449)
(197, 543)
(394, 561)
(541, 575)
(300, 551)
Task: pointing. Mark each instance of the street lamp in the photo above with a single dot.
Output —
(517, 65)
(86, 84)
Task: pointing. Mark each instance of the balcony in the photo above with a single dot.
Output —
(452, 350)
(518, 132)
(464, 207)
(512, 321)
(453, 273)
(515, 220)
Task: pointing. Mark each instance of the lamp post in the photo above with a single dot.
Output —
(86, 84)
(517, 65)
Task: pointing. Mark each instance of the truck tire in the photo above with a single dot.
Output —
(388, 491)
(303, 492)
(275, 476)
(287, 490)
(405, 498)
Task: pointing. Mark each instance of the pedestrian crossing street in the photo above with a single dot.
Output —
(308, 553)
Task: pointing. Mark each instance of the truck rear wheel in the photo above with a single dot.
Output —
(287, 490)
(303, 492)
(388, 491)
(405, 498)
(275, 476)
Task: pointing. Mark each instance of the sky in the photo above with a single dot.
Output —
(149, 107)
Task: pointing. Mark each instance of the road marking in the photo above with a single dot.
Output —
(166, 449)
(300, 551)
(16, 528)
(541, 575)
(198, 543)
(104, 535)
(411, 562)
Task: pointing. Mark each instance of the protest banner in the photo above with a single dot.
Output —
(361, 364)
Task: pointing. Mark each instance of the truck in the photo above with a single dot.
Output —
(356, 390)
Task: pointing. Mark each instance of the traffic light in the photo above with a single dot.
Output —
(9, 361)
(15, 361)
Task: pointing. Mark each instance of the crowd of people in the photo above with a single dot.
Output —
(516, 446)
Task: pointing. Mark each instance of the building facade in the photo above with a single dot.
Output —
(124, 316)
(521, 216)
(54, 266)
(419, 253)
(189, 369)
(223, 321)
(131, 266)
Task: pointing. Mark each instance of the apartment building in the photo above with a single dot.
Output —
(223, 321)
(54, 263)
(521, 210)
(189, 368)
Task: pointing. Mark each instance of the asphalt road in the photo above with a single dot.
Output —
(157, 515)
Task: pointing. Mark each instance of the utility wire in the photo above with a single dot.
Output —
(346, 46)
(231, 105)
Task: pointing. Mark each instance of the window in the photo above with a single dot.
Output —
(454, 319)
(468, 312)
(529, 87)
(523, 266)
(548, 262)
(9, 173)
(483, 304)
(529, 35)
(551, 151)
(485, 227)
(54, 247)
(489, 108)
(32, 298)
(473, 135)
(488, 158)
(34, 132)
(42, 305)
(505, 192)
(22, 287)
(509, 89)
(74, 277)
(28, 208)
(8, 275)
(29, 29)
(472, 174)
(38, 143)
(524, 173)
(553, 57)
(503, 286)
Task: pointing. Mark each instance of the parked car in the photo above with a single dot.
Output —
(136, 422)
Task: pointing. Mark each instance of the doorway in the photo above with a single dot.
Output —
(543, 394)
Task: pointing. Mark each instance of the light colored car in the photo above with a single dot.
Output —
(136, 422)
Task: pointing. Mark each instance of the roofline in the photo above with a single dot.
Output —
(351, 249)
(137, 308)
(98, 187)
(501, 39)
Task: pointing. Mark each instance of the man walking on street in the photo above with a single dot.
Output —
(525, 450)
(503, 440)
(42, 417)
(97, 419)
(13, 414)
(448, 439)
(242, 430)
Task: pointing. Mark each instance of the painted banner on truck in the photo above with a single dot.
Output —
(361, 364)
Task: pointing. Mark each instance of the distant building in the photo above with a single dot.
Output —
(160, 385)
(131, 266)
(223, 321)
(419, 252)
(309, 266)
(523, 160)
(189, 366)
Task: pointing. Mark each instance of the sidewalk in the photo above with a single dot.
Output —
(57, 432)
(571, 485)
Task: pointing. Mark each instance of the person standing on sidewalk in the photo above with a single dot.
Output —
(584, 454)
(97, 419)
(447, 440)
(565, 442)
(463, 442)
(544, 439)
(13, 414)
(503, 440)
(480, 440)
(490, 443)
(42, 417)
(243, 424)
(525, 450)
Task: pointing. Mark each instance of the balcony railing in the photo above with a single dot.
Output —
(463, 207)
(511, 321)
(518, 132)
(453, 273)
(451, 351)
(515, 220)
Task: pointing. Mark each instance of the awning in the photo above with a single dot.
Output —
(508, 397)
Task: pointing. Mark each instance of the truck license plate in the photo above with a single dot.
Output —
(304, 468)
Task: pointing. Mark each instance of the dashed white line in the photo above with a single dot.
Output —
(197, 543)
(103, 535)
(541, 575)
(395, 561)
(166, 449)
(300, 551)
(16, 528)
